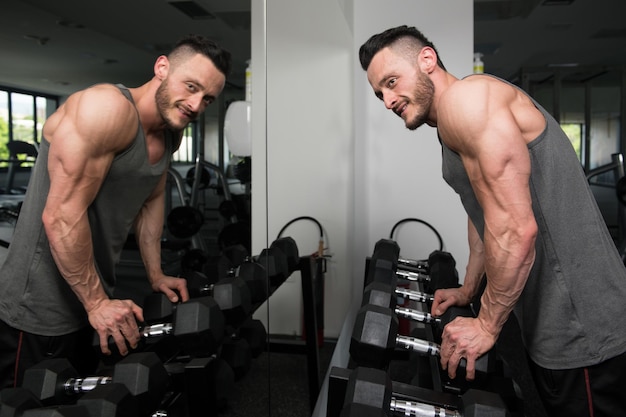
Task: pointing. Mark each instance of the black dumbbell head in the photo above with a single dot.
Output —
(236, 254)
(478, 403)
(289, 247)
(275, 263)
(145, 377)
(255, 277)
(110, 400)
(380, 294)
(63, 411)
(254, 332)
(442, 271)
(389, 246)
(374, 336)
(157, 308)
(238, 355)
(362, 410)
(15, 401)
(382, 267)
(233, 297)
(47, 378)
(197, 282)
(199, 325)
(209, 382)
(230, 259)
(368, 387)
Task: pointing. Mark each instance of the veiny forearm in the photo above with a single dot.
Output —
(508, 260)
(475, 269)
(149, 230)
(72, 250)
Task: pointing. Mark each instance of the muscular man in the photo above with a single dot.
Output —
(100, 173)
(535, 230)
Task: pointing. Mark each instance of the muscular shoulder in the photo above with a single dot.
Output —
(100, 114)
(472, 106)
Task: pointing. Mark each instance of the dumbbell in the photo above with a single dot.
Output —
(280, 260)
(231, 294)
(384, 265)
(208, 382)
(21, 402)
(201, 382)
(375, 338)
(237, 353)
(383, 295)
(256, 278)
(231, 257)
(289, 247)
(369, 393)
(215, 267)
(55, 381)
(254, 332)
(15, 401)
(198, 326)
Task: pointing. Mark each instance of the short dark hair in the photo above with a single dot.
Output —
(220, 57)
(389, 37)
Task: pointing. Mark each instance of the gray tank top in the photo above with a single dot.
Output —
(35, 297)
(572, 311)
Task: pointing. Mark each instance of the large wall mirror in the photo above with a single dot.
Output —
(52, 49)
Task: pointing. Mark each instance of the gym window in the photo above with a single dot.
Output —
(22, 116)
(574, 132)
(186, 152)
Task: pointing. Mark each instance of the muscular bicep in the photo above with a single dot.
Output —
(84, 140)
(498, 165)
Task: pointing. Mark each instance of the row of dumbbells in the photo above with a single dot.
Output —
(139, 385)
(376, 338)
(189, 356)
(218, 317)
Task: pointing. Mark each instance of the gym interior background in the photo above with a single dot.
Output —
(322, 145)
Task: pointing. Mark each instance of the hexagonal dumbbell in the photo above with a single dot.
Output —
(383, 295)
(55, 381)
(369, 394)
(385, 265)
(231, 294)
(15, 401)
(375, 338)
(197, 325)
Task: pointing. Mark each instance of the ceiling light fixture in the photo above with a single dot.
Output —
(557, 2)
(41, 40)
(192, 9)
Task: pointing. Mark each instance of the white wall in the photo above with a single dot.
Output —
(324, 146)
(308, 152)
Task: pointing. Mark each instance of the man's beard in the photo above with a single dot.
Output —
(162, 98)
(422, 99)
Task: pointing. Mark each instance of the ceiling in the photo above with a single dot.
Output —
(60, 46)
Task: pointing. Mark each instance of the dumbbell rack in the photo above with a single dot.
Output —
(311, 272)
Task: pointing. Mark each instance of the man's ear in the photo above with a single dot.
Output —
(427, 59)
(161, 67)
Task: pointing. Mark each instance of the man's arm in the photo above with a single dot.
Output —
(444, 298)
(84, 135)
(148, 230)
(484, 131)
